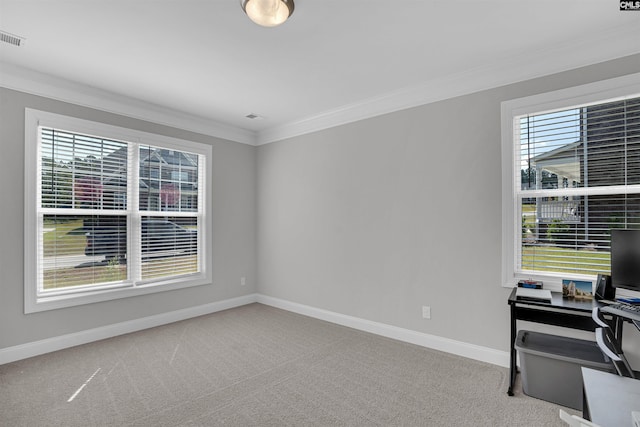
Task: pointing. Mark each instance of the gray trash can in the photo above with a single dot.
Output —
(550, 366)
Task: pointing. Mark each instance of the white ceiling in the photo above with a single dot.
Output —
(331, 63)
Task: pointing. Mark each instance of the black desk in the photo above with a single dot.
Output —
(570, 313)
(608, 398)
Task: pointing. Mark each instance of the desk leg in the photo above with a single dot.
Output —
(512, 356)
(618, 329)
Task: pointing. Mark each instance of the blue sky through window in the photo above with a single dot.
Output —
(542, 133)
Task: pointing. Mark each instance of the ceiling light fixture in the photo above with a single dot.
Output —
(268, 13)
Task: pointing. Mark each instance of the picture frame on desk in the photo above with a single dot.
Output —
(577, 289)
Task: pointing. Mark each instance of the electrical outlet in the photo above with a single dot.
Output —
(426, 312)
(243, 281)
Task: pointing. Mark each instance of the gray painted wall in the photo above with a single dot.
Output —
(372, 219)
(376, 218)
(234, 247)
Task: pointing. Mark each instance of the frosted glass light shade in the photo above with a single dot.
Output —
(268, 13)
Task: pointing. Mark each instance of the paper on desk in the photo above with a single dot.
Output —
(533, 294)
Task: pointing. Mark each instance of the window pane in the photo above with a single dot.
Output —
(80, 171)
(169, 246)
(592, 146)
(612, 135)
(550, 150)
(83, 250)
(168, 180)
(573, 235)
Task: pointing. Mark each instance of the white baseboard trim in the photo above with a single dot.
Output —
(471, 351)
(23, 351)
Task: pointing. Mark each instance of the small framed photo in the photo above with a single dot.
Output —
(578, 289)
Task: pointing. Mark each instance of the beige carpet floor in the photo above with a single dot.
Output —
(259, 366)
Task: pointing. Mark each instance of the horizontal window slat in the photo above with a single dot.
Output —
(86, 177)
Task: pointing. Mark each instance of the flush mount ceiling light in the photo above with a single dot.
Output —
(268, 13)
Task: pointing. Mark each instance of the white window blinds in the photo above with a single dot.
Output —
(169, 202)
(83, 203)
(579, 178)
(112, 212)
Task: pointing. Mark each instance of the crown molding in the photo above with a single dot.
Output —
(604, 46)
(41, 84)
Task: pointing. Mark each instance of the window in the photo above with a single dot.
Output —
(111, 212)
(571, 174)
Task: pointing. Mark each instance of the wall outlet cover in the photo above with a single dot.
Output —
(426, 312)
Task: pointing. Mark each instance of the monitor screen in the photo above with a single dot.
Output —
(625, 259)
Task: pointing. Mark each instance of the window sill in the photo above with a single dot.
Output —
(553, 282)
(34, 304)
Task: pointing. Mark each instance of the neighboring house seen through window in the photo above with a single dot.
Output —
(114, 212)
(575, 176)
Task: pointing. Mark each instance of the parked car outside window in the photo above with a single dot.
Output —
(159, 238)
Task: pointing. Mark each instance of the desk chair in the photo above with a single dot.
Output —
(599, 319)
(575, 421)
(612, 349)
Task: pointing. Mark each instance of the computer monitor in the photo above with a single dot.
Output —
(625, 259)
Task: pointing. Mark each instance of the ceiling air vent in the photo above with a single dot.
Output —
(11, 38)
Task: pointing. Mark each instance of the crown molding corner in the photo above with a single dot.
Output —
(41, 84)
(603, 46)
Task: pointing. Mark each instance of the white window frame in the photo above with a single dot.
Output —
(35, 301)
(618, 88)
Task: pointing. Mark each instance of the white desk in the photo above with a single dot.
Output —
(609, 398)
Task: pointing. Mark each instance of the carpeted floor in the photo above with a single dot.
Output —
(260, 366)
